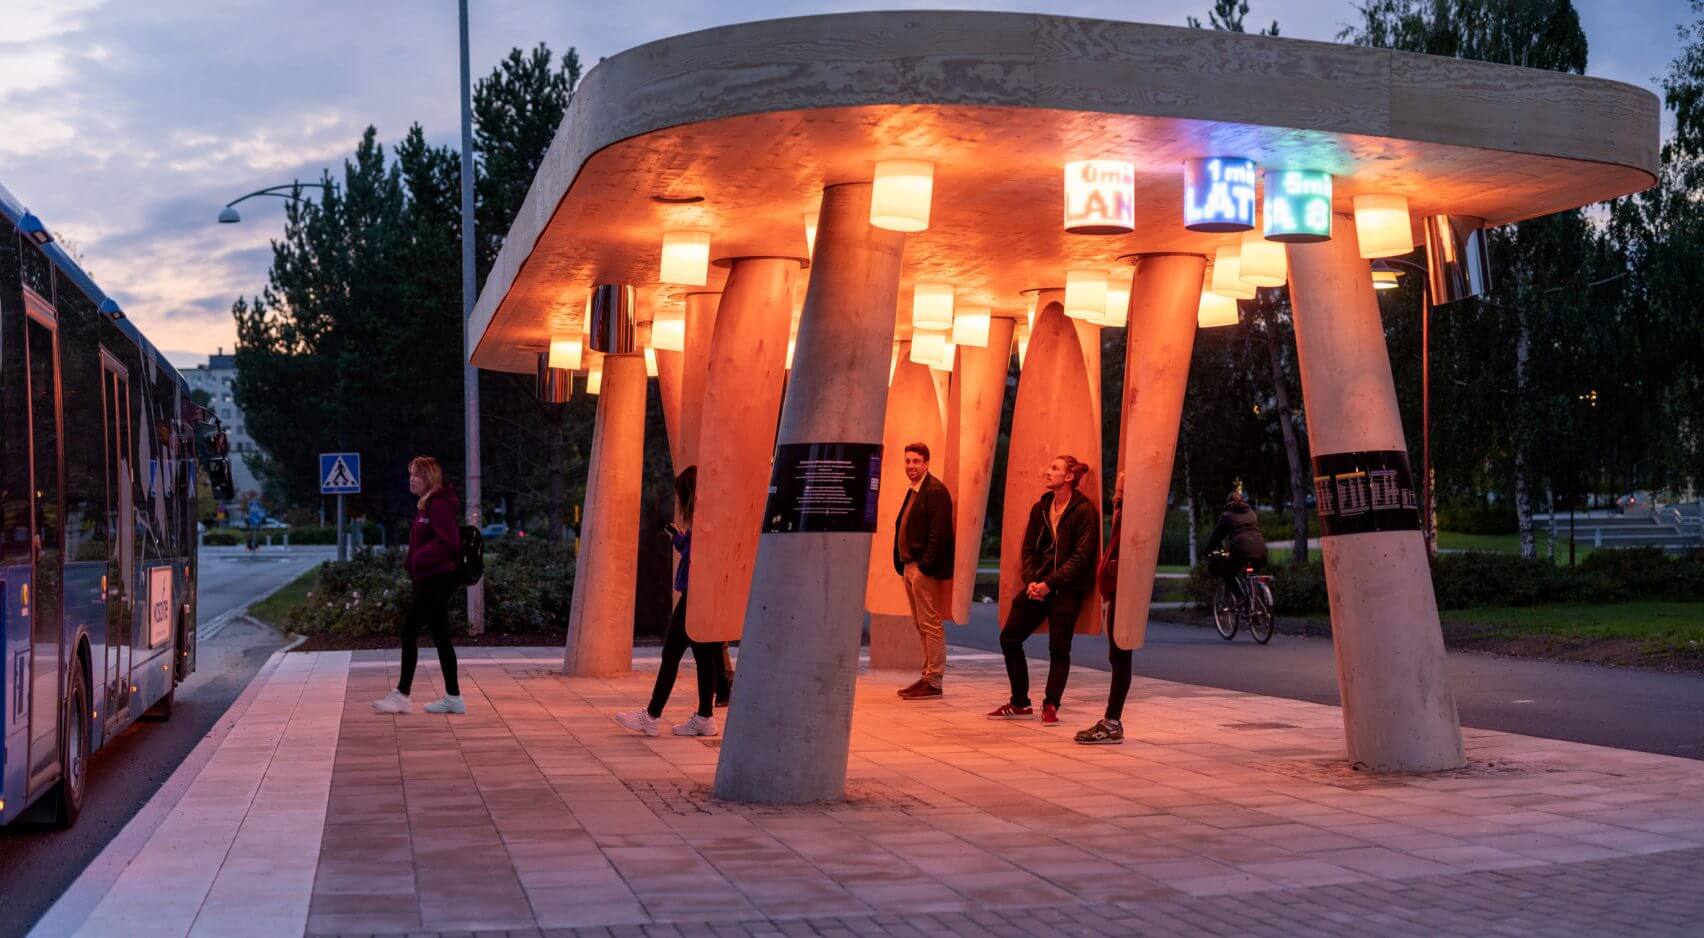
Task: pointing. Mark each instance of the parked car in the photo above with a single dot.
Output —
(495, 529)
(273, 524)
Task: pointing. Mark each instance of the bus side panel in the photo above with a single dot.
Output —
(85, 611)
(14, 691)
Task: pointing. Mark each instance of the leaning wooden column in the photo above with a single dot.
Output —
(790, 724)
(978, 395)
(913, 415)
(1054, 415)
(1398, 712)
(1163, 302)
(600, 621)
(700, 333)
(742, 398)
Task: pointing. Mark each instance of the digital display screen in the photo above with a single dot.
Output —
(1218, 194)
(1100, 197)
(1298, 205)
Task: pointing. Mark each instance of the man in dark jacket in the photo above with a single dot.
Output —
(923, 555)
(1238, 531)
(1061, 542)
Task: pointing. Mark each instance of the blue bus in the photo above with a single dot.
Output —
(99, 451)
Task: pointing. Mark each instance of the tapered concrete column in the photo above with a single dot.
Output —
(1089, 340)
(790, 724)
(742, 398)
(913, 415)
(700, 334)
(1398, 712)
(600, 620)
(978, 396)
(670, 367)
(1054, 415)
(1163, 301)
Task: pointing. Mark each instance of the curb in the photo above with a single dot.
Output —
(71, 910)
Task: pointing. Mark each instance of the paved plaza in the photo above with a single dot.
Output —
(536, 814)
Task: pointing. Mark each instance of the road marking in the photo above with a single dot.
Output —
(1522, 701)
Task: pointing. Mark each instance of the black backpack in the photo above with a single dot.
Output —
(470, 566)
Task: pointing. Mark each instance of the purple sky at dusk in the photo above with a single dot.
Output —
(126, 124)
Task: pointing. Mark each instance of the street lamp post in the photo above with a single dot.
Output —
(470, 374)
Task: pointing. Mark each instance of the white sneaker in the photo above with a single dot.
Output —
(698, 726)
(393, 702)
(639, 721)
(446, 704)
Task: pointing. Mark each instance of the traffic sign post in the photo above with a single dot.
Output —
(340, 475)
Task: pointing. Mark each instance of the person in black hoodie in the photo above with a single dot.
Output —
(434, 549)
(1061, 542)
(1239, 531)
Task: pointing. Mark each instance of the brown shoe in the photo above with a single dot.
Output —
(912, 687)
(922, 690)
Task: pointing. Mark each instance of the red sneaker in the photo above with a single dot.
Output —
(1049, 715)
(1009, 712)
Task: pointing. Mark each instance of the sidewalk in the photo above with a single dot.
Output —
(1224, 812)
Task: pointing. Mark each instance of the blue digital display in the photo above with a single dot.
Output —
(1298, 206)
(1218, 194)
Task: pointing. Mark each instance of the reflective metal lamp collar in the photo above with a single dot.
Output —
(1457, 263)
(612, 329)
(31, 227)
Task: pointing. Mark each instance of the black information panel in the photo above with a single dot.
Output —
(824, 487)
(1362, 492)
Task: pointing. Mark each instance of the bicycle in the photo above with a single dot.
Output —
(1252, 606)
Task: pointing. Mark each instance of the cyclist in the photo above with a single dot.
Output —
(1238, 531)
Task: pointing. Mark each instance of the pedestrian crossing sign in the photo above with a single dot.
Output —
(340, 473)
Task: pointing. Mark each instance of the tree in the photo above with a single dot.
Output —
(1534, 34)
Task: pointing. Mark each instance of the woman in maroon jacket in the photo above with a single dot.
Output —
(434, 548)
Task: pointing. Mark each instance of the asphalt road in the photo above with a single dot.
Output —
(1623, 708)
(38, 863)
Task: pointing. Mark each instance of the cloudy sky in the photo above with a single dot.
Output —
(126, 124)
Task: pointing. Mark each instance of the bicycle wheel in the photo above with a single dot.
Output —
(1260, 613)
(1224, 611)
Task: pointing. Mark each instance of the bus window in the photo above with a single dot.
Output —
(46, 635)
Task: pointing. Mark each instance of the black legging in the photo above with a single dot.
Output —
(707, 656)
(1121, 661)
(430, 608)
(1059, 611)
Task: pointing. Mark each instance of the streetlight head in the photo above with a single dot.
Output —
(229, 216)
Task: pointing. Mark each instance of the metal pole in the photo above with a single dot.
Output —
(1427, 521)
(470, 374)
(342, 545)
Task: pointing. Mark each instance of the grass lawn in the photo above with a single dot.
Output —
(1678, 624)
(271, 610)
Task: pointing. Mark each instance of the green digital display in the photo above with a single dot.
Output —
(1298, 205)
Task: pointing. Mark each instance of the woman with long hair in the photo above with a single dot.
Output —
(706, 656)
(434, 549)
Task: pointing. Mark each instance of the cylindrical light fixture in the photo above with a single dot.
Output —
(810, 233)
(1382, 227)
(926, 347)
(650, 362)
(594, 375)
(899, 197)
(668, 331)
(1085, 294)
(970, 326)
(1298, 206)
(686, 258)
(1218, 194)
(1227, 274)
(1100, 197)
(932, 306)
(1264, 263)
(554, 385)
(566, 352)
(949, 353)
(1215, 310)
(612, 328)
(1385, 276)
(1118, 297)
(1457, 263)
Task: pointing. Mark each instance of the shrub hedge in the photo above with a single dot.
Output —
(1484, 578)
(528, 583)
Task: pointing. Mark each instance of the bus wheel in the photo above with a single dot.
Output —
(74, 754)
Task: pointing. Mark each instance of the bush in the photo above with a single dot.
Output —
(1477, 519)
(221, 538)
(1276, 526)
(528, 587)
